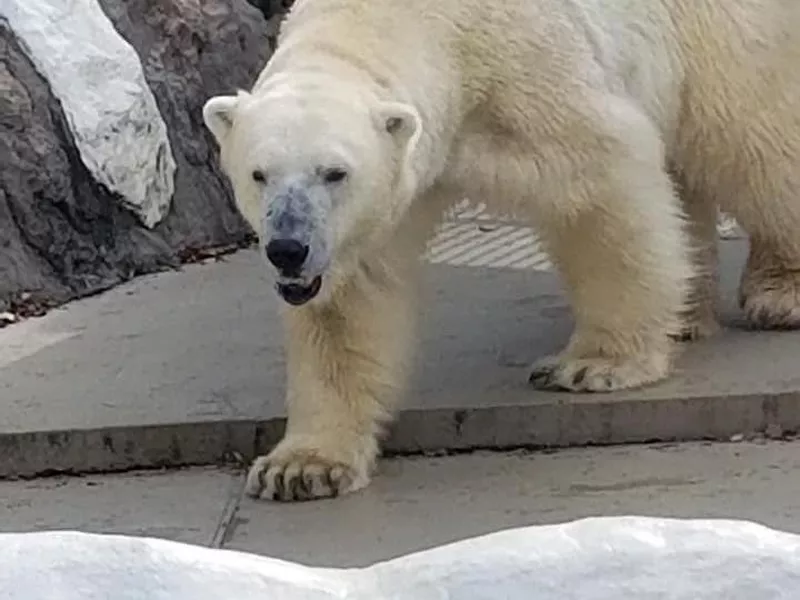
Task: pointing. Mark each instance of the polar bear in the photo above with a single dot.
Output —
(617, 127)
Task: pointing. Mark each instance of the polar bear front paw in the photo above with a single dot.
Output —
(556, 373)
(295, 471)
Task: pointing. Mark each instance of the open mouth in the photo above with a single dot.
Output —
(297, 294)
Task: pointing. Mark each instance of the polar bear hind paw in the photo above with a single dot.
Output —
(594, 374)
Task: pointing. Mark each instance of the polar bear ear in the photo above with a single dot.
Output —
(402, 121)
(218, 115)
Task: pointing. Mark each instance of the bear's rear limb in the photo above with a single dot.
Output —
(700, 318)
(616, 233)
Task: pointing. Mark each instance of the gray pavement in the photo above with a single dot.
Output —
(186, 368)
(186, 505)
(417, 503)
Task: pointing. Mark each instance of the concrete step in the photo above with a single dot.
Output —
(187, 368)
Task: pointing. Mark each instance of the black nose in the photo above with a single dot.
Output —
(287, 255)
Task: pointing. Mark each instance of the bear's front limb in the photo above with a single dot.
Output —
(347, 363)
(616, 233)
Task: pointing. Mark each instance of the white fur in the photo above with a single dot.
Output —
(607, 123)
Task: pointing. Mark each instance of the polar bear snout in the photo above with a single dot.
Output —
(295, 242)
(287, 255)
(298, 281)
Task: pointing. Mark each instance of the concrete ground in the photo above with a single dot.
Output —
(416, 503)
(186, 368)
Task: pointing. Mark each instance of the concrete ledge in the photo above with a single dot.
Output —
(187, 368)
(545, 424)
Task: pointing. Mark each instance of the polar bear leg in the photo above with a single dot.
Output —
(763, 195)
(769, 292)
(767, 205)
(750, 161)
(700, 319)
(618, 239)
(346, 361)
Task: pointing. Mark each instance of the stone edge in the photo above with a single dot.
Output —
(552, 423)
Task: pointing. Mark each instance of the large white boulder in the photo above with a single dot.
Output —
(593, 559)
(112, 114)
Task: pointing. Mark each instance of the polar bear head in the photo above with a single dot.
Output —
(321, 173)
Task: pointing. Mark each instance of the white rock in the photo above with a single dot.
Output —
(8, 317)
(111, 111)
(611, 558)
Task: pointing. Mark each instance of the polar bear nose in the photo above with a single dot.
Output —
(287, 255)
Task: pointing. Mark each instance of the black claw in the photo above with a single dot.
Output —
(296, 488)
(548, 381)
(541, 377)
(682, 336)
(280, 486)
(580, 375)
(308, 485)
(262, 483)
(551, 382)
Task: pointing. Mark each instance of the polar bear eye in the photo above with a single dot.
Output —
(259, 176)
(334, 175)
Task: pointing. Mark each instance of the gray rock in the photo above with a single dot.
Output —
(191, 51)
(63, 234)
(111, 113)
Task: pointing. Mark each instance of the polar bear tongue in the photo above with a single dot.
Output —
(297, 294)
